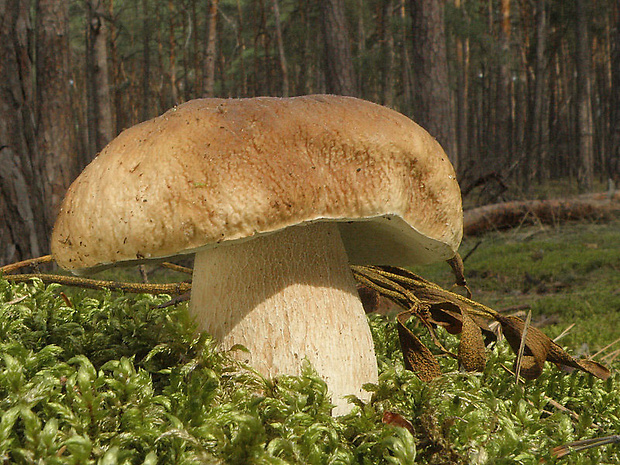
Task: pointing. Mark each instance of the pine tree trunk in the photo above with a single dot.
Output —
(22, 234)
(209, 77)
(339, 72)
(100, 127)
(462, 91)
(56, 161)
(614, 143)
(146, 63)
(387, 50)
(535, 164)
(281, 53)
(585, 124)
(502, 155)
(432, 99)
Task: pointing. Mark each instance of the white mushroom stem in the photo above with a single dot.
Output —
(287, 296)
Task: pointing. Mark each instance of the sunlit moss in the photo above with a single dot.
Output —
(109, 378)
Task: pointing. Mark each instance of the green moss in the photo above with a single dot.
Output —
(113, 379)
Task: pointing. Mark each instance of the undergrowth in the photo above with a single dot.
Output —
(105, 378)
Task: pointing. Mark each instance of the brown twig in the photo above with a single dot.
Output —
(13, 267)
(522, 346)
(175, 267)
(605, 348)
(578, 446)
(138, 288)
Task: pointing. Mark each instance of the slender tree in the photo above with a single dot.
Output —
(339, 71)
(21, 233)
(462, 86)
(100, 127)
(146, 62)
(614, 136)
(210, 58)
(281, 53)
(56, 161)
(502, 152)
(537, 137)
(585, 123)
(432, 99)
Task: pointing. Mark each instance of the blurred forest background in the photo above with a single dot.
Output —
(521, 93)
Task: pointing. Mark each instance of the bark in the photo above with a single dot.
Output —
(121, 120)
(146, 62)
(21, 234)
(281, 53)
(241, 45)
(614, 144)
(535, 161)
(511, 214)
(432, 99)
(100, 127)
(388, 54)
(405, 61)
(462, 90)
(209, 76)
(172, 60)
(56, 161)
(339, 71)
(585, 124)
(502, 153)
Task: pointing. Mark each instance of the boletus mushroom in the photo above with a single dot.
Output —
(275, 197)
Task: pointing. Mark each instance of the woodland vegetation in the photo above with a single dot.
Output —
(519, 92)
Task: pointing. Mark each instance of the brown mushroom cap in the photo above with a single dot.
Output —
(214, 170)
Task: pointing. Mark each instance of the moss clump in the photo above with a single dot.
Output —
(109, 378)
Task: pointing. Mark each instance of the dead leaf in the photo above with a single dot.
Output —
(472, 355)
(537, 345)
(418, 358)
(396, 419)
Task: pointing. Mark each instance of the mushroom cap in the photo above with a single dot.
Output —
(218, 170)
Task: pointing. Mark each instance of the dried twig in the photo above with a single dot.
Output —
(564, 333)
(139, 288)
(578, 446)
(175, 267)
(528, 320)
(13, 267)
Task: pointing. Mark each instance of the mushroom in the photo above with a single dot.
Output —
(276, 197)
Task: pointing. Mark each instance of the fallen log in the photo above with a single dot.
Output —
(505, 215)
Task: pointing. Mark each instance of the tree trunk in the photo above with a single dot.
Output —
(387, 52)
(282, 55)
(462, 91)
(432, 99)
(535, 164)
(209, 76)
(502, 155)
(56, 161)
(241, 45)
(100, 127)
(614, 144)
(121, 120)
(339, 71)
(146, 63)
(585, 124)
(22, 235)
(172, 59)
(405, 61)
